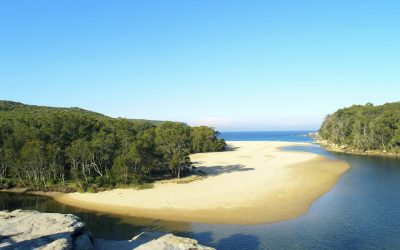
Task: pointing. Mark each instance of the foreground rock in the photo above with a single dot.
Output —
(152, 241)
(172, 242)
(22, 229)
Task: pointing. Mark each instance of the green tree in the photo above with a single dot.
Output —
(173, 143)
(205, 139)
(142, 154)
(46, 145)
(365, 127)
(34, 161)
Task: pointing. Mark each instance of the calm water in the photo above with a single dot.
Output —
(292, 136)
(361, 212)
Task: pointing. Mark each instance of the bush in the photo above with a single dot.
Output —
(103, 181)
(6, 184)
(91, 189)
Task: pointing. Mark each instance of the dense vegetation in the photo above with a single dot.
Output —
(365, 128)
(71, 148)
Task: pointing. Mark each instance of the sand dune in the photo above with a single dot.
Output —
(254, 182)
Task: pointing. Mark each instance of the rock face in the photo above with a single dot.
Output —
(152, 241)
(172, 242)
(22, 229)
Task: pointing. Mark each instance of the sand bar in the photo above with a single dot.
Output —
(255, 182)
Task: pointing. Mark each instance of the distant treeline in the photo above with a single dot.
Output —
(46, 147)
(365, 127)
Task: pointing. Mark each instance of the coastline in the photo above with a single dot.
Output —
(348, 150)
(253, 183)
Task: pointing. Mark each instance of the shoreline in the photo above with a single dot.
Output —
(254, 183)
(332, 147)
(357, 152)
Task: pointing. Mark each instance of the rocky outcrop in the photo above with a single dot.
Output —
(22, 229)
(172, 242)
(152, 241)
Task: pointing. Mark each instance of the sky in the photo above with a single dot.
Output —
(233, 65)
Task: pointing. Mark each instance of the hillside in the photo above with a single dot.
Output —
(43, 147)
(10, 106)
(364, 128)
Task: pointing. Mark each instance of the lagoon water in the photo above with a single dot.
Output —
(361, 212)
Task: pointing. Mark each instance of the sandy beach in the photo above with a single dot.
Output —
(254, 182)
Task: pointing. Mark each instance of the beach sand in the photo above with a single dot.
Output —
(253, 182)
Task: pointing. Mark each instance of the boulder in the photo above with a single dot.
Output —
(172, 242)
(153, 241)
(23, 229)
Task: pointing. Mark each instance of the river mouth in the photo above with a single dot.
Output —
(361, 212)
(257, 183)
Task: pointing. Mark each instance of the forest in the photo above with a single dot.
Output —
(364, 127)
(71, 149)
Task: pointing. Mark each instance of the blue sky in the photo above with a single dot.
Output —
(234, 65)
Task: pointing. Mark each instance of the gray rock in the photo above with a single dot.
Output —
(58, 244)
(22, 229)
(172, 242)
(151, 241)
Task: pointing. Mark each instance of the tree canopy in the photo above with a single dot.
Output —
(43, 147)
(365, 127)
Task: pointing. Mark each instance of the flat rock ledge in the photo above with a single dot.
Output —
(25, 229)
(172, 242)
